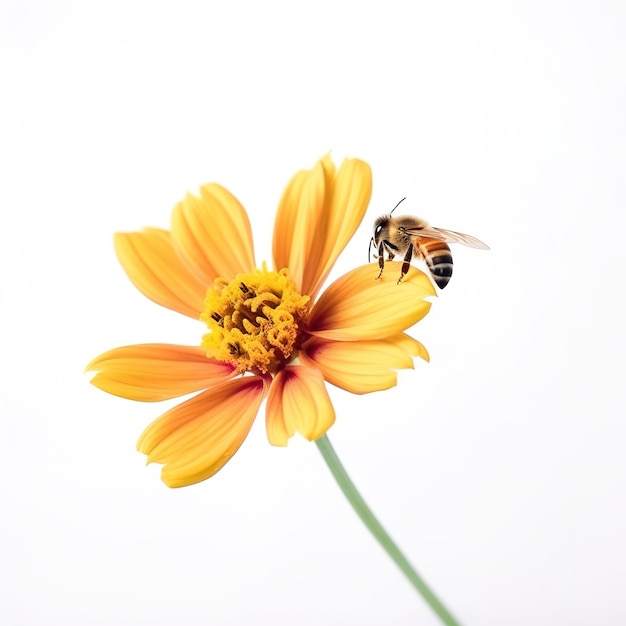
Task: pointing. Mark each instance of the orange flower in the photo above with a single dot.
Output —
(267, 335)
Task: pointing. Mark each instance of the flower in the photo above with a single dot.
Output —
(268, 334)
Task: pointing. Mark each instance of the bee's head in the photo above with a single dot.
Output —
(381, 229)
(381, 232)
(381, 225)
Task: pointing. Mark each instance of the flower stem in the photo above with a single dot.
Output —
(374, 526)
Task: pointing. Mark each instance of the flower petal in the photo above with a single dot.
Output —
(155, 371)
(358, 307)
(360, 366)
(198, 437)
(298, 402)
(298, 222)
(212, 234)
(352, 190)
(412, 346)
(319, 212)
(149, 260)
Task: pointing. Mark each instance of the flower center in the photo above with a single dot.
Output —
(254, 320)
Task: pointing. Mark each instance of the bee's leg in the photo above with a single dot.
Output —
(406, 263)
(381, 260)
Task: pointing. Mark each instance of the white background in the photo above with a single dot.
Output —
(499, 467)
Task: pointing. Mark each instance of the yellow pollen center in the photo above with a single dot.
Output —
(254, 320)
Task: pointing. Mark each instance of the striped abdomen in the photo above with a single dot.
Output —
(438, 259)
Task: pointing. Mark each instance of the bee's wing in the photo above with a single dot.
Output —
(448, 235)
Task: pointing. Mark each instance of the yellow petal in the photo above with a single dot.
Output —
(153, 372)
(412, 346)
(359, 307)
(319, 212)
(298, 402)
(149, 260)
(212, 234)
(351, 194)
(360, 366)
(197, 438)
(298, 222)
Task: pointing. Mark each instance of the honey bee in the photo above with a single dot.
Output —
(409, 236)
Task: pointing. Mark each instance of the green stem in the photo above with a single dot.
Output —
(366, 515)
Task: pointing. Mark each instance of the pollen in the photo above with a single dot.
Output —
(255, 320)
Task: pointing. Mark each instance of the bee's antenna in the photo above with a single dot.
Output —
(397, 205)
(369, 250)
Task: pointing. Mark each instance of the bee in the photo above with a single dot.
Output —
(409, 236)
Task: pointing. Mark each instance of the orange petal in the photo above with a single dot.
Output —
(197, 438)
(358, 307)
(319, 212)
(212, 234)
(149, 260)
(155, 371)
(360, 366)
(298, 402)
